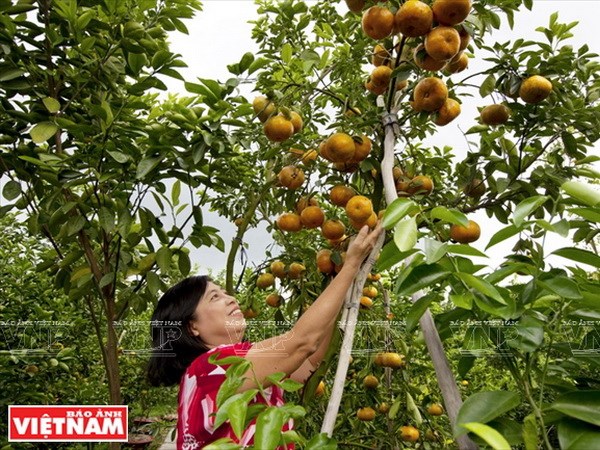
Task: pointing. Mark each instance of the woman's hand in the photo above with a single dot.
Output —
(362, 245)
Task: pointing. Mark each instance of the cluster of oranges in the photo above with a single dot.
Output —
(407, 185)
(344, 151)
(279, 123)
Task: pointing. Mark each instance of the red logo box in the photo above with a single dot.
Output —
(67, 423)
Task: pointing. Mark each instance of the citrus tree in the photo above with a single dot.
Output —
(340, 127)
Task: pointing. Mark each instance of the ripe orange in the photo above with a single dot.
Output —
(291, 177)
(370, 291)
(381, 76)
(362, 148)
(465, 37)
(375, 88)
(296, 120)
(442, 43)
(303, 202)
(309, 156)
(409, 433)
(414, 18)
(324, 150)
(273, 300)
(296, 271)
(397, 172)
(448, 112)
(424, 61)
(435, 409)
(312, 217)
(366, 414)
(495, 115)
(372, 220)
(359, 208)
(420, 184)
(333, 229)
(347, 167)
(341, 194)
(535, 89)
(265, 280)
(401, 84)
(278, 128)
(451, 12)
(381, 56)
(324, 262)
(366, 302)
(238, 221)
(475, 188)
(355, 6)
(289, 222)
(377, 22)
(340, 147)
(402, 185)
(371, 382)
(278, 269)
(430, 94)
(383, 408)
(457, 64)
(263, 107)
(249, 313)
(465, 235)
(320, 389)
(394, 360)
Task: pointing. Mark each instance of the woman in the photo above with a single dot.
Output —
(205, 320)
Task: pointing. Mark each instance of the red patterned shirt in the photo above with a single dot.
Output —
(198, 405)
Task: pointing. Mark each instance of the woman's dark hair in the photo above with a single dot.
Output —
(174, 347)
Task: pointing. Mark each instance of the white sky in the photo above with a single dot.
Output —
(220, 35)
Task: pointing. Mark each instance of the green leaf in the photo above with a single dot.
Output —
(390, 256)
(502, 235)
(526, 207)
(481, 286)
(434, 250)
(118, 156)
(416, 311)
(563, 286)
(463, 300)
(146, 166)
(43, 131)
(268, 428)
(321, 442)
(286, 53)
(176, 192)
(11, 190)
(396, 211)
(163, 259)
(530, 435)
(405, 234)
(106, 219)
(488, 85)
(233, 402)
(488, 434)
(582, 192)
(582, 405)
(463, 249)
(485, 406)
(421, 277)
(51, 104)
(222, 444)
(75, 224)
(577, 435)
(453, 216)
(527, 335)
(184, 263)
(591, 214)
(579, 255)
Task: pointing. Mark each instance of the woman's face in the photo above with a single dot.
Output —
(218, 318)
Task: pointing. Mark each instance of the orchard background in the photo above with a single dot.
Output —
(107, 177)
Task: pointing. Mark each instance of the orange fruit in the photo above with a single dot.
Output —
(408, 433)
(401, 84)
(296, 271)
(249, 313)
(352, 111)
(370, 382)
(347, 167)
(448, 112)
(465, 37)
(324, 262)
(366, 414)
(339, 266)
(430, 94)
(420, 184)
(397, 173)
(340, 147)
(414, 18)
(265, 280)
(393, 360)
(362, 148)
(383, 408)
(457, 64)
(381, 76)
(435, 409)
(424, 61)
(464, 382)
(375, 88)
(333, 229)
(238, 221)
(312, 217)
(378, 359)
(291, 177)
(359, 208)
(289, 222)
(309, 156)
(451, 12)
(341, 194)
(296, 120)
(273, 300)
(370, 291)
(303, 202)
(494, 115)
(372, 220)
(442, 43)
(475, 188)
(402, 185)
(366, 302)
(381, 56)
(263, 107)
(465, 235)
(320, 389)
(278, 128)
(355, 6)
(278, 269)
(377, 22)
(535, 89)
(324, 150)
